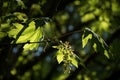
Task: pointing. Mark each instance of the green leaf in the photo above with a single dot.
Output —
(2, 34)
(59, 57)
(88, 31)
(74, 61)
(20, 16)
(104, 44)
(85, 39)
(30, 34)
(88, 17)
(25, 38)
(30, 28)
(21, 3)
(34, 38)
(106, 54)
(54, 46)
(95, 47)
(99, 45)
(13, 71)
(16, 30)
(18, 26)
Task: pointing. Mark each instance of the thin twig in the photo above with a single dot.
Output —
(28, 42)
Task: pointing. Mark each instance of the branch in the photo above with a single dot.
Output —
(87, 61)
(109, 41)
(28, 42)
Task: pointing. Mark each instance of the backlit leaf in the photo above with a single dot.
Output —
(55, 46)
(27, 33)
(106, 54)
(30, 28)
(95, 47)
(34, 38)
(13, 71)
(2, 34)
(74, 62)
(59, 57)
(88, 17)
(99, 45)
(16, 30)
(85, 40)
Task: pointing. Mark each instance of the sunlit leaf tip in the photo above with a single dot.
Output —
(106, 54)
(86, 39)
(60, 57)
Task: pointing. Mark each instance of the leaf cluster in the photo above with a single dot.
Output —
(66, 55)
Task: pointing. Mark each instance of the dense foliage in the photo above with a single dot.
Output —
(59, 39)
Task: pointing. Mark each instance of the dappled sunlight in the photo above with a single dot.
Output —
(59, 40)
(88, 17)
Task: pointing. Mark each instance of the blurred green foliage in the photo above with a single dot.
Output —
(30, 30)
